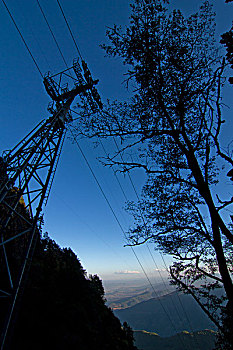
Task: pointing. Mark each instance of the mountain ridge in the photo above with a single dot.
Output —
(200, 340)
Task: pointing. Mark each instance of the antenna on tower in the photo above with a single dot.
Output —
(26, 176)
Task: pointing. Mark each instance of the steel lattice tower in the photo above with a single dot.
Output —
(26, 176)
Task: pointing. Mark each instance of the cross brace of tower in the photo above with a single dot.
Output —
(26, 176)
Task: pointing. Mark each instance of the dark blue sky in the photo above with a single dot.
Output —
(77, 214)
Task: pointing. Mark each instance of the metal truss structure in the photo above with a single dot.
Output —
(26, 177)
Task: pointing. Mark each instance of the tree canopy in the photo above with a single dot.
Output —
(171, 129)
(227, 40)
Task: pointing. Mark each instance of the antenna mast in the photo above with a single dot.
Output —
(26, 175)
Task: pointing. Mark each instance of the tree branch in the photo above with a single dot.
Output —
(224, 203)
(206, 273)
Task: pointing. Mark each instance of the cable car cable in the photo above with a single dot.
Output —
(69, 28)
(21, 35)
(144, 223)
(50, 29)
(11, 16)
(182, 306)
(113, 212)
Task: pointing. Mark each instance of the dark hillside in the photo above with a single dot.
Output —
(59, 307)
(62, 308)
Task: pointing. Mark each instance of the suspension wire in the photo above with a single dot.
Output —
(182, 306)
(91, 229)
(76, 45)
(116, 218)
(88, 164)
(29, 24)
(177, 294)
(98, 183)
(116, 177)
(51, 31)
(165, 285)
(69, 28)
(130, 178)
(131, 181)
(81, 151)
(145, 225)
(21, 35)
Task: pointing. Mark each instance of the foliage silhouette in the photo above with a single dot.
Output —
(64, 309)
(227, 40)
(171, 129)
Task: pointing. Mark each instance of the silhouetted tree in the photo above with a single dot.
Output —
(227, 40)
(225, 340)
(129, 333)
(97, 286)
(171, 129)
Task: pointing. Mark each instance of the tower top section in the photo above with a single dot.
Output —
(77, 80)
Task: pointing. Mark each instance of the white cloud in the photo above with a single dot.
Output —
(126, 272)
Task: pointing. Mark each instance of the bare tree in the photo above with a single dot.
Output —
(171, 129)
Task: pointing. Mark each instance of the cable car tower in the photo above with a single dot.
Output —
(26, 176)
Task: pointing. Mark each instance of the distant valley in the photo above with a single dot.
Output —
(166, 315)
(123, 295)
(163, 319)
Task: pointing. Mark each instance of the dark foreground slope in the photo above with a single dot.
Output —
(203, 340)
(62, 308)
(166, 315)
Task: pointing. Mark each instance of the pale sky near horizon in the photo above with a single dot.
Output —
(77, 214)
